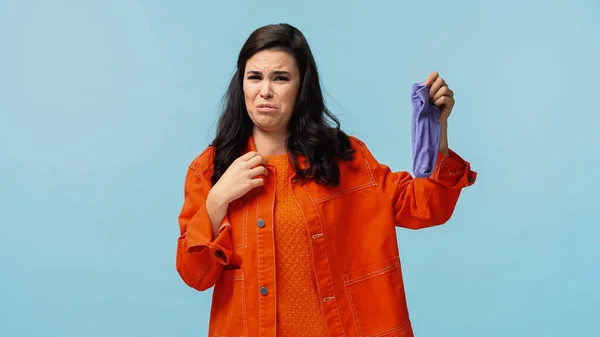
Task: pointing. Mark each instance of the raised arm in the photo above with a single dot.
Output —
(424, 202)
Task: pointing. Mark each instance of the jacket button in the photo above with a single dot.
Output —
(264, 291)
(261, 223)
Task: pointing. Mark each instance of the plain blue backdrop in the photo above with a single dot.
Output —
(103, 104)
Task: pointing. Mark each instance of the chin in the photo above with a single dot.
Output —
(264, 121)
(265, 128)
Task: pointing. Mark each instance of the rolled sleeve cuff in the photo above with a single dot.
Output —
(220, 247)
(199, 237)
(452, 171)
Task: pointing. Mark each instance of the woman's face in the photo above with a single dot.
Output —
(271, 83)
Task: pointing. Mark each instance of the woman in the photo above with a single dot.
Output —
(292, 220)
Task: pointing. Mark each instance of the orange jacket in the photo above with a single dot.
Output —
(353, 238)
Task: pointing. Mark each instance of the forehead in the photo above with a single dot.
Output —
(271, 60)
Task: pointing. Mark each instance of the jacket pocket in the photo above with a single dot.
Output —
(377, 299)
(228, 312)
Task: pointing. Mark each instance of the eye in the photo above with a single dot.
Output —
(281, 78)
(254, 77)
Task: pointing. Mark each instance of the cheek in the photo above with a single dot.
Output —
(246, 90)
(290, 98)
(249, 93)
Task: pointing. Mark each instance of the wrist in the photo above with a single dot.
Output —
(444, 137)
(444, 149)
(216, 201)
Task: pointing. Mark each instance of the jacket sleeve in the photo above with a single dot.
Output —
(200, 258)
(424, 202)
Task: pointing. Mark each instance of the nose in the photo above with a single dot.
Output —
(265, 90)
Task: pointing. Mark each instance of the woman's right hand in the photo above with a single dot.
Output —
(238, 179)
(241, 177)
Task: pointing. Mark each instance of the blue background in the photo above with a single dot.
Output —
(104, 103)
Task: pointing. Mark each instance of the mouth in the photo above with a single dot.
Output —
(266, 108)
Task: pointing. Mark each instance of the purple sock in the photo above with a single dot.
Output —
(425, 131)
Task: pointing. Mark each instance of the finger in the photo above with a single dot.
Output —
(247, 156)
(439, 82)
(256, 182)
(255, 161)
(259, 170)
(446, 101)
(444, 91)
(431, 78)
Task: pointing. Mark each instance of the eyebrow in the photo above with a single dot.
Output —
(276, 72)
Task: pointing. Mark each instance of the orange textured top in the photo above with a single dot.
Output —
(298, 307)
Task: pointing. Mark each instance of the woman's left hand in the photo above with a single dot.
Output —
(441, 96)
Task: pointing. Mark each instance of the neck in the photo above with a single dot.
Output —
(269, 143)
